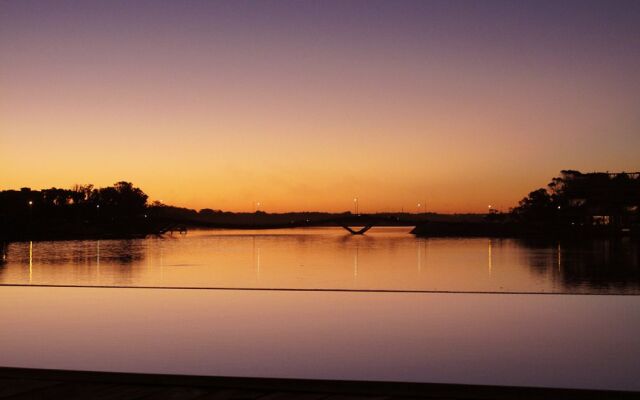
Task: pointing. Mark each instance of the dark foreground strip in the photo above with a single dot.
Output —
(338, 290)
(21, 383)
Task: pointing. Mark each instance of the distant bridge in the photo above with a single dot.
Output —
(367, 222)
(354, 224)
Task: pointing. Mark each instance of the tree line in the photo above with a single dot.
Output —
(583, 198)
(83, 209)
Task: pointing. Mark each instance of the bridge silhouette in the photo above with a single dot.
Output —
(354, 224)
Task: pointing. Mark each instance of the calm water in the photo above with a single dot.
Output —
(474, 338)
(330, 258)
(500, 339)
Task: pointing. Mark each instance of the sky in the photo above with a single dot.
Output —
(306, 105)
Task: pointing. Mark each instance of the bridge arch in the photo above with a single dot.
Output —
(357, 232)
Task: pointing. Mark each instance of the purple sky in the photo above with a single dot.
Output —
(304, 105)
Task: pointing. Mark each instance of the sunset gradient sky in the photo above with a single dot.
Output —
(306, 105)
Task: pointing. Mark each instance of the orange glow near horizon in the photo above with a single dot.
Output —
(218, 107)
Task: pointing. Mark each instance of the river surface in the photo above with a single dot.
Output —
(380, 317)
(330, 258)
(567, 341)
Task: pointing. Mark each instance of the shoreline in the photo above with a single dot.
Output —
(423, 229)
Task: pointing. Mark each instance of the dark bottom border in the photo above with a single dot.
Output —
(363, 388)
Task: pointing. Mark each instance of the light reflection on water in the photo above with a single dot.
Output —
(586, 342)
(330, 258)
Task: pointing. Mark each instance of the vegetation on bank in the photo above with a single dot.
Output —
(573, 202)
(575, 198)
(122, 210)
(83, 211)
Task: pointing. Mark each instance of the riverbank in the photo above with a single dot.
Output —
(164, 219)
(519, 230)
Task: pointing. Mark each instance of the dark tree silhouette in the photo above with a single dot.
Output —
(577, 198)
(77, 212)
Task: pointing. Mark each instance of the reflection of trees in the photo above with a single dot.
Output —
(83, 252)
(124, 252)
(598, 264)
(3, 253)
(82, 261)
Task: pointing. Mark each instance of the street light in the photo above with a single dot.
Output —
(355, 200)
(30, 202)
(419, 208)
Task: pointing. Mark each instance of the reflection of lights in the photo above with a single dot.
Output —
(98, 259)
(355, 264)
(256, 258)
(490, 259)
(161, 263)
(423, 259)
(30, 261)
(258, 262)
(559, 258)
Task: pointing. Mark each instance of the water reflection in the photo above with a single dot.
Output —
(72, 262)
(601, 265)
(256, 258)
(30, 262)
(588, 342)
(388, 259)
(490, 258)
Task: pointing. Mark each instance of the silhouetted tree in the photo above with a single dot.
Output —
(538, 206)
(576, 197)
(80, 210)
(122, 199)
